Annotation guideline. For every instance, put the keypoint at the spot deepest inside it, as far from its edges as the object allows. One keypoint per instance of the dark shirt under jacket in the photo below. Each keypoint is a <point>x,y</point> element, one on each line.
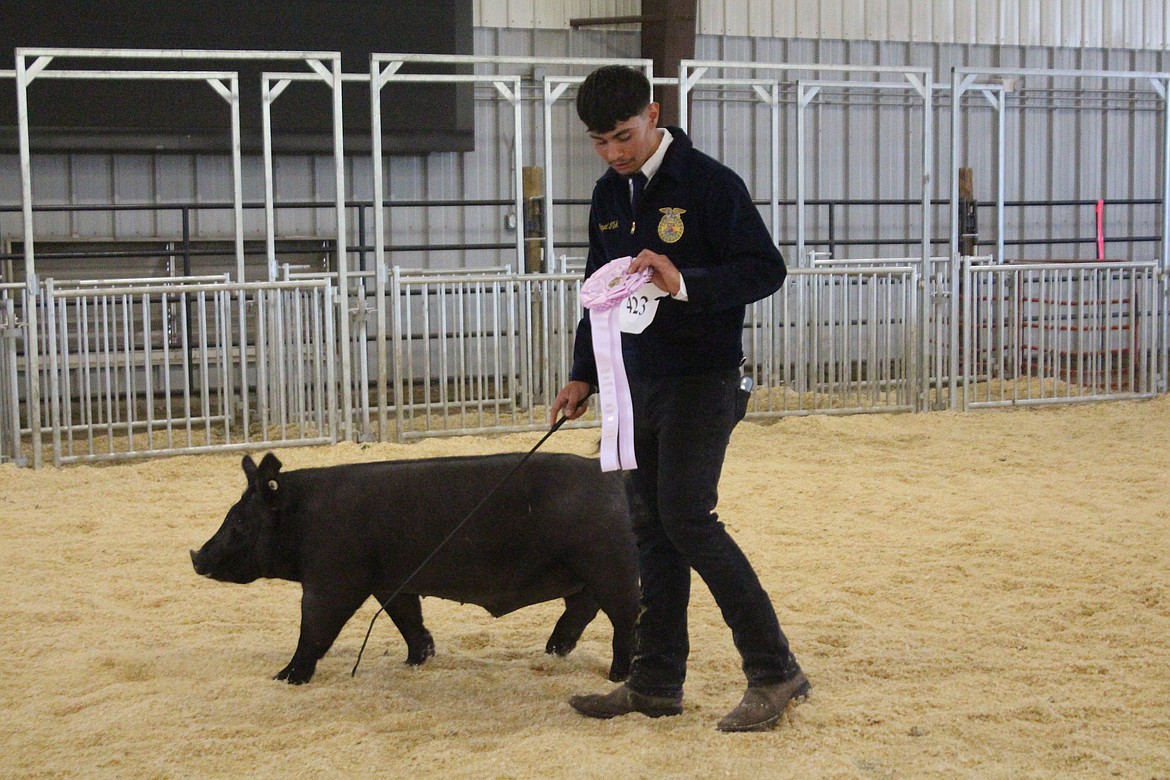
<point>725,254</point>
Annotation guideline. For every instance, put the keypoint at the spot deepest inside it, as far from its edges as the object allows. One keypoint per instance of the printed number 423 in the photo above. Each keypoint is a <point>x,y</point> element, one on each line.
<point>636,305</point>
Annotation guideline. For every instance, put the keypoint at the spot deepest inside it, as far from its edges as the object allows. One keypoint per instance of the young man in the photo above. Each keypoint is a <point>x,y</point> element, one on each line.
<point>692,222</point>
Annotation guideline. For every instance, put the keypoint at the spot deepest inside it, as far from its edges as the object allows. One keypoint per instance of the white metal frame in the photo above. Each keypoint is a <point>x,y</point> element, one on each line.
<point>383,70</point>
<point>693,72</point>
<point>272,86</point>
<point>1027,323</point>
<point>26,72</point>
<point>964,79</point>
<point>554,89</point>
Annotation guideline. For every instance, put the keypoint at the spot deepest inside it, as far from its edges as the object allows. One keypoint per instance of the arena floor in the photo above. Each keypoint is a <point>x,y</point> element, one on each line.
<point>983,595</point>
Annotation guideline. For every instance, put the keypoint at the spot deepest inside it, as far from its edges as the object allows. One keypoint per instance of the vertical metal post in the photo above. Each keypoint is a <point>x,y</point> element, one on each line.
<point>233,97</point>
<point>926,88</point>
<point>957,88</point>
<point>954,328</point>
<point>774,178</point>
<point>1163,307</point>
<point>967,330</point>
<point>342,256</point>
<point>269,94</point>
<point>32,342</point>
<point>958,329</point>
<point>54,369</point>
<point>379,246</point>
<point>330,362</point>
<point>241,308</point>
<point>550,97</point>
<point>801,220</point>
<point>1000,173</point>
<point>513,98</point>
<point>399,338</point>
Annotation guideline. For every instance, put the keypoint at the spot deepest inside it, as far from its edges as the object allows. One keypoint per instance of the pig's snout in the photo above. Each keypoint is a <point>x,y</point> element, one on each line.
<point>199,561</point>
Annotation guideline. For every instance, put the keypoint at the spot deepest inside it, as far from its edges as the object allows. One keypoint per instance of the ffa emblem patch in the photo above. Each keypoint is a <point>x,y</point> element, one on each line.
<point>670,227</point>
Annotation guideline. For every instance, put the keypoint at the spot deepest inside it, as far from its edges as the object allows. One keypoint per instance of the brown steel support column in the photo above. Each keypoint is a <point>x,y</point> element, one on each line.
<point>668,36</point>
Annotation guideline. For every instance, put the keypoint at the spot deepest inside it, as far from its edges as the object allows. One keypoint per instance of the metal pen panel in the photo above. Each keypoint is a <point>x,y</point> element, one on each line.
<point>130,367</point>
<point>1060,333</point>
<point>12,308</point>
<point>834,341</point>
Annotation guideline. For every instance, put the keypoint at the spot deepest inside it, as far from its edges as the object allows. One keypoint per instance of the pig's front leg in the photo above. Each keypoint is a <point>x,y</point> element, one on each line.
<point>322,617</point>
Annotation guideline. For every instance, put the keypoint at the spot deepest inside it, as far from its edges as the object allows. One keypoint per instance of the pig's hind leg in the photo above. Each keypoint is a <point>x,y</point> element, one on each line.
<point>580,609</point>
<point>405,610</point>
<point>613,586</point>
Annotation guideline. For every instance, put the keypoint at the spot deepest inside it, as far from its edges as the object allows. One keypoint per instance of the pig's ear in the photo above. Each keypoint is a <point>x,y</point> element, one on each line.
<point>249,469</point>
<point>268,478</point>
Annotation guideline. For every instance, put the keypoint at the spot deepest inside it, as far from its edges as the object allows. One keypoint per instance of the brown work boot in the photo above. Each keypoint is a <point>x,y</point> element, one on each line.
<point>622,701</point>
<point>763,705</point>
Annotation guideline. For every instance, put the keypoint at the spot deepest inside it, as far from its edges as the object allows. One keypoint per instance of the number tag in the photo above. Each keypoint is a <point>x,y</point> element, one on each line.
<point>638,310</point>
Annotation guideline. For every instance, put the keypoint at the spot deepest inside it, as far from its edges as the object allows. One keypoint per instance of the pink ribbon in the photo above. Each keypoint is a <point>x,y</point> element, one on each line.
<point>601,293</point>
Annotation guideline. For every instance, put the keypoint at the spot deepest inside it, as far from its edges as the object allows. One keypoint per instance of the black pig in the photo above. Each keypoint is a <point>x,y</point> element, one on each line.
<point>558,528</point>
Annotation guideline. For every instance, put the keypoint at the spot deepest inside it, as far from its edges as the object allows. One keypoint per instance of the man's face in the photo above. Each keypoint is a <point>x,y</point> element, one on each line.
<point>631,142</point>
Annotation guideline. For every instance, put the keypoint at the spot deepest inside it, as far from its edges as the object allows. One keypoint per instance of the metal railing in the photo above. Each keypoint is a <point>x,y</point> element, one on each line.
<point>152,369</point>
<point>135,368</point>
<point>835,341</point>
<point>13,303</point>
<point>1060,333</point>
<point>476,353</point>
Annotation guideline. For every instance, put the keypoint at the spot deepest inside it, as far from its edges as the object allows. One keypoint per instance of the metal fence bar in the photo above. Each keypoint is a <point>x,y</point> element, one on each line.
<point>1060,333</point>
<point>834,340</point>
<point>112,351</point>
<point>156,368</point>
<point>12,304</point>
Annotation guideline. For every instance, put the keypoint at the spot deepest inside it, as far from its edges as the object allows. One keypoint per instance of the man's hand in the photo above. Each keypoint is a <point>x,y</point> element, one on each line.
<point>665,276</point>
<point>573,399</point>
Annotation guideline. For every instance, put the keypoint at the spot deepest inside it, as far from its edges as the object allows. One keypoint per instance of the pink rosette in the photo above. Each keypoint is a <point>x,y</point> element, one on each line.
<point>600,294</point>
<point>610,285</point>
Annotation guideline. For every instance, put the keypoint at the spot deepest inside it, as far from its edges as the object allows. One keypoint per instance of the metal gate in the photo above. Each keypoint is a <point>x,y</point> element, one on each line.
<point>13,303</point>
<point>835,341</point>
<point>479,353</point>
<point>153,367</point>
<point>1060,333</point>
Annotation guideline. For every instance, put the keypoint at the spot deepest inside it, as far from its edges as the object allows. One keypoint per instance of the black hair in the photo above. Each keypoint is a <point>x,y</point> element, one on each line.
<point>612,94</point>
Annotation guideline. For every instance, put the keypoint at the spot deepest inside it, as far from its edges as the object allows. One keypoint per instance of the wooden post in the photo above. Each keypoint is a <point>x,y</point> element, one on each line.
<point>534,205</point>
<point>533,178</point>
<point>968,218</point>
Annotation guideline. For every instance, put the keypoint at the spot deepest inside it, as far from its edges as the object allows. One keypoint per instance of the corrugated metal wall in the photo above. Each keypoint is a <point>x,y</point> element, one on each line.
<point>1127,24</point>
<point>859,150</point>
<point>1105,24</point>
<point>1066,139</point>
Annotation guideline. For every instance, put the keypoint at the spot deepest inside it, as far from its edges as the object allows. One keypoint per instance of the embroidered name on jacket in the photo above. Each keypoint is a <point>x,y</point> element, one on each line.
<point>608,225</point>
<point>670,227</point>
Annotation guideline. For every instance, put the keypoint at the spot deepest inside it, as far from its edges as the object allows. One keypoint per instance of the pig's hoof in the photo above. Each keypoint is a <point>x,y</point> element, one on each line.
<point>294,675</point>
<point>562,649</point>
<point>417,656</point>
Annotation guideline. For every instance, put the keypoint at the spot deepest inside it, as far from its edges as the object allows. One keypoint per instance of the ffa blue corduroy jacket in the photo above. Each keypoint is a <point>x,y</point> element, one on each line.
<point>697,212</point>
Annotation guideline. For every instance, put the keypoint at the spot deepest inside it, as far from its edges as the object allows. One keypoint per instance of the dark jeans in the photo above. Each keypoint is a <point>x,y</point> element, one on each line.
<point>681,429</point>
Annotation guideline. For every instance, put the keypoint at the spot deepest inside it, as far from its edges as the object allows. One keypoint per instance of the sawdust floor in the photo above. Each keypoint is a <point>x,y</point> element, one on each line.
<point>983,595</point>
